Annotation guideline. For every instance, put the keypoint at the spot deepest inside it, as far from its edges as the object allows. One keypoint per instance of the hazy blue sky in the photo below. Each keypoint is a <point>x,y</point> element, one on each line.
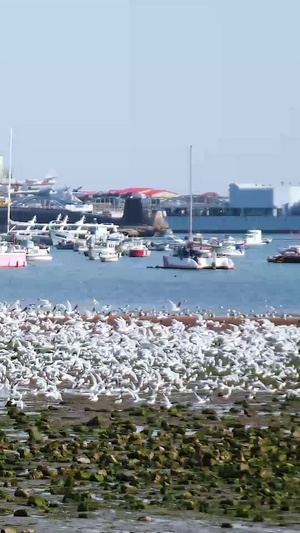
<point>110,93</point>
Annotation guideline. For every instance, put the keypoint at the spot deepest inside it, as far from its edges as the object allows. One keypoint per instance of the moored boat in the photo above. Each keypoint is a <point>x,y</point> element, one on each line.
<point>109,256</point>
<point>65,244</point>
<point>289,255</point>
<point>12,257</point>
<point>254,238</point>
<point>139,251</point>
<point>35,253</point>
<point>199,261</point>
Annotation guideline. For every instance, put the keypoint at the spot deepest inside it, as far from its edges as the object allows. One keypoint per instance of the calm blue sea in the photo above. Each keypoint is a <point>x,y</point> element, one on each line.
<point>254,284</point>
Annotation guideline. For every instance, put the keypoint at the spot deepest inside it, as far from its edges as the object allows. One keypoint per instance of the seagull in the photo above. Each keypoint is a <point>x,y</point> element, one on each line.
<point>175,308</point>
<point>200,400</point>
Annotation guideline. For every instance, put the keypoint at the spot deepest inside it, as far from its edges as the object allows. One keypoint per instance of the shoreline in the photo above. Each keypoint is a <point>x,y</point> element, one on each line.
<point>194,320</point>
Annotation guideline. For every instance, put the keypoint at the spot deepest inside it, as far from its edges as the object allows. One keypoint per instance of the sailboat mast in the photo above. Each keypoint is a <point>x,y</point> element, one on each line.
<point>9,179</point>
<point>191,192</point>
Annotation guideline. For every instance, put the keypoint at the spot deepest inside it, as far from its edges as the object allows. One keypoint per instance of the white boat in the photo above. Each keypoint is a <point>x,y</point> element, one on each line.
<point>200,261</point>
<point>105,250</point>
<point>174,242</point>
<point>230,250</point>
<point>197,240</point>
<point>32,230</point>
<point>109,256</point>
<point>159,246</point>
<point>197,254</point>
<point>230,240</point>
<point>81,230</point>
<point>254,238</point>
<point>35,253</point>
<point>11,256</point>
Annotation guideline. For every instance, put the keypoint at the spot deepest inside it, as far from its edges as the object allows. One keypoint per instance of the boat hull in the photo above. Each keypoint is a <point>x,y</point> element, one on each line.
<point>13,260</point>
<point>284,259</point>
<point>64,246</point>
<point>188,263</point>
<point>109,259</point>
<point>139,253</point>
<point>39,258</point>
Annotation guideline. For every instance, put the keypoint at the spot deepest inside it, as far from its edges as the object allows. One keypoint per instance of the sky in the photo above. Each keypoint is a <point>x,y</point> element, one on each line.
<point>111,93</point>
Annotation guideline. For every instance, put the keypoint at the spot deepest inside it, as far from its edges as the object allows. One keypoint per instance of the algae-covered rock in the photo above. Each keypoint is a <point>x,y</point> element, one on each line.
<point>258,518</point>
<point>96,477</point>
<point>96,421</point>
<point>34,434</point>
<point>82,475</point>
<point>37,501</point>
<point>82,507</point>
<point>145,519</point>
<point>20,493</point>
<point>83,460</point>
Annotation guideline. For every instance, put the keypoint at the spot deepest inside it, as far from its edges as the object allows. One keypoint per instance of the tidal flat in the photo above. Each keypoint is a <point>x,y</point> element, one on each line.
<point>74,467</point>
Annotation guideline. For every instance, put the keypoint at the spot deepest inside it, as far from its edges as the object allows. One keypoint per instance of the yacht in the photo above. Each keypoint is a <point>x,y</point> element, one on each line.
<point>104,250</point>
<point>288,255</point>
<point>36,231</point>
<point>36,253</point>
<point>109,256</point>
<point>197,253</point>
<point>81,230</point>
<point>197,260</point>
<point>254,238</point>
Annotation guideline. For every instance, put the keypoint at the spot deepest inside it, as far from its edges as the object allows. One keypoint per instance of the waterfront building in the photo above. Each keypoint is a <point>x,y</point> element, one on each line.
<point>262,200</point>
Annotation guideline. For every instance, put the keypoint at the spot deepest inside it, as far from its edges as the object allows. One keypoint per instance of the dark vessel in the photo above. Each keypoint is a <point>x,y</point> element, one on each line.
<point>289,255</point>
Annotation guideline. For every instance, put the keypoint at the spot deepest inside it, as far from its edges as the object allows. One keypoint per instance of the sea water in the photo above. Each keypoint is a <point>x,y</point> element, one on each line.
<point>254,284</point>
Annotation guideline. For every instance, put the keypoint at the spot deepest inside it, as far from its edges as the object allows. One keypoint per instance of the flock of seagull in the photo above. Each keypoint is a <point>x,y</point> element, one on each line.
<point>51,350</point>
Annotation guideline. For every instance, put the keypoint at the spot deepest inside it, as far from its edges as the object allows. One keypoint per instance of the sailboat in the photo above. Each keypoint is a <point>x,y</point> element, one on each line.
<point>188,258</point>
<point>11,256</point>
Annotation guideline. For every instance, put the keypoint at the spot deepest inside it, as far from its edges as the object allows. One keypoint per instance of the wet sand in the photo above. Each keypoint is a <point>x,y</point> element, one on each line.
<point>193,320</point>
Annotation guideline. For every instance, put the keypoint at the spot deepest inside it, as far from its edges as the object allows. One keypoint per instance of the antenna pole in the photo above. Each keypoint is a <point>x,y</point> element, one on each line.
<point>191,192</point>
<point>9,178</point>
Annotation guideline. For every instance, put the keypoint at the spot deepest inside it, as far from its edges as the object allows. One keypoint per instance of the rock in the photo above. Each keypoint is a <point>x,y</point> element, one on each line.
<point>145,519</point>
<point>69,482</point>
<point>82,507</point>
<point>21,512</point>
<point>83,460</point>
<point>82,475</point>
<point>9,530</point>
<point>5,510</point>
<point>20,493</point>
<point>258,518</point>
<point>226,525</point>
<point>34,434</point>
<point>37,501</point>
<point>96,477</point>
<point>96,421</point>
<point>50,472</point>
<point>28,531</point>
<point>82,515</point>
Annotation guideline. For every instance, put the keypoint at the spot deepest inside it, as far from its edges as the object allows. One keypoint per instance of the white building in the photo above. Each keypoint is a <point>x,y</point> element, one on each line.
<point>252,198</point>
